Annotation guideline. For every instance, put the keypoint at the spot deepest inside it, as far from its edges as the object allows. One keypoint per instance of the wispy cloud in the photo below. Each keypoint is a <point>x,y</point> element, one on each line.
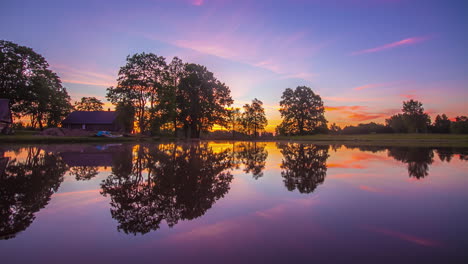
<point>403,42</point>
<point>197,2</point>
<point>357,113</point>
<point>78,76</point>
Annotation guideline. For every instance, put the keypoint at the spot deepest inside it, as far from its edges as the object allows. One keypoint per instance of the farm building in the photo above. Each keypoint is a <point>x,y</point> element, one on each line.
<point>92,120</point>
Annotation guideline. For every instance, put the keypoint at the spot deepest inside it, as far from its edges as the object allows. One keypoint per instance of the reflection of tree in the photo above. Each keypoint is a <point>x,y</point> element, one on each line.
<point>26,187</point>
<point>166,182</point>
<point>417,159</point>
<point>253,155</point>
<point>84,173</point>
<point>304,166</point>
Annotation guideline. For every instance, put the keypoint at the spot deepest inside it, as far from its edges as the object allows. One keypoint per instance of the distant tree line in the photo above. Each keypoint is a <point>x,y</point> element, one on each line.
<point>413,119</point>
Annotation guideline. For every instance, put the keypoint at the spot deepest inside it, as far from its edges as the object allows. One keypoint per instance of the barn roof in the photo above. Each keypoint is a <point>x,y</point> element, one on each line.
<point>90,117</point>
<point>5,113</point>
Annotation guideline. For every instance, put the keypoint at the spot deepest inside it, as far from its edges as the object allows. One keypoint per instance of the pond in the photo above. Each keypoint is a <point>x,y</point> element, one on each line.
<point>224,202</point>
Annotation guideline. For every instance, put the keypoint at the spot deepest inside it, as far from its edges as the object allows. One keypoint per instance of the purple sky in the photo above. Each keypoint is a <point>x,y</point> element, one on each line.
<point>364,57</point>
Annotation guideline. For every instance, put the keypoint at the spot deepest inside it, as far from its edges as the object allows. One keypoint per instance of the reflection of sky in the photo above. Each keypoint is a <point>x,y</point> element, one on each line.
<point>367,206</point>
<point>363,57</point>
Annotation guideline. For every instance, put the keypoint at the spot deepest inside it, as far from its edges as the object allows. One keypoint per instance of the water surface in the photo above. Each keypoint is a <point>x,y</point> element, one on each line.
<point>246,202</point>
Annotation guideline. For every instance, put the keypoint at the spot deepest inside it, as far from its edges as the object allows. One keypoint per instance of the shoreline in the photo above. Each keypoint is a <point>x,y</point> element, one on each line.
<point>435,140</point>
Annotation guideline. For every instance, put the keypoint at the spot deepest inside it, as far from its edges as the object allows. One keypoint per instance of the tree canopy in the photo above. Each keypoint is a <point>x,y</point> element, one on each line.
<point>253,118</point>
<point>33,89</point>
<point>202,100</point>
<point>302,111</point>
<point>89,104</point>
<point>412,120</point>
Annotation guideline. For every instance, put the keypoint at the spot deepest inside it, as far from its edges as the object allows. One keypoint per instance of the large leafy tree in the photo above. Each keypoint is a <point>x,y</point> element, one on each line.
<point>253,117</point>
<point>32,88</point>
<point>460,125</point>
<point>89,104</point>
<point>176,71</point>
<point>441,124</point>
<point>202,100</point>
<point>302,111</point>
<point>412,120</point>
<point>139,84</point>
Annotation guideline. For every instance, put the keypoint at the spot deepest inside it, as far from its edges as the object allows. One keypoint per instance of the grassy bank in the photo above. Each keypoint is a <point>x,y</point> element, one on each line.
<point>433,140</point>
<point>29,137</point>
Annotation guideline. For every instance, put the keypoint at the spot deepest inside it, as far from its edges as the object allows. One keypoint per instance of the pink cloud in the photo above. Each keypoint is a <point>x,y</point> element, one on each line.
<point>198,2</point>
<point>403,42</point>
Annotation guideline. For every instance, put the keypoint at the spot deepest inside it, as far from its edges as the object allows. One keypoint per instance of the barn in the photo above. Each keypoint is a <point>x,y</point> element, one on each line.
<point>92,120</point>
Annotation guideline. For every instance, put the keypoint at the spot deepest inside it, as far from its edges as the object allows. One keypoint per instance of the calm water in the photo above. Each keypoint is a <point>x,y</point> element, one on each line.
<point>233,203</point>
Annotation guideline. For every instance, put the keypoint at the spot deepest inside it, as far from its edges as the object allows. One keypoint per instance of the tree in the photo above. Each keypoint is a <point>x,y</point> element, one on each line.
<point>302,111</point>
<point>397,123</point>
<point>235,118</point>
<point>89,104</point>
<point>334,129</point>
<point>176,73</point>
<point>139,84</point>
<point>460,126</point>
<point>253,118</point>
<point>33,90</point>
<point>202,100</point>
<point>125,115</point>
<point>441,124</point>
<point>413,119</point>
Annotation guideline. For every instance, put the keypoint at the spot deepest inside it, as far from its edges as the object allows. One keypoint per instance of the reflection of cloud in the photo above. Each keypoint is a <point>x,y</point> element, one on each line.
<point>403,42</point>
<point>405,237</point>
<point>370,189</point>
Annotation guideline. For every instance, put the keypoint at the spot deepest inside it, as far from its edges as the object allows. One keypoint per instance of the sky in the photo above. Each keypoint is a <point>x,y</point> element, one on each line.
<point>363,57</point>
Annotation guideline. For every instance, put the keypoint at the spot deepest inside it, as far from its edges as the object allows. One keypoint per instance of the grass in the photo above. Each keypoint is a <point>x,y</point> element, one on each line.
<point>433,140</point>
<point>430,140</point>
<point>29,137</point>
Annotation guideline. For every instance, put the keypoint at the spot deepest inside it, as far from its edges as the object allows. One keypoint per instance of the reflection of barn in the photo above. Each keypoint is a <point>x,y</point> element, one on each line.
<point>92,120</point>
<point>5,116</point>
<point>100,156</point>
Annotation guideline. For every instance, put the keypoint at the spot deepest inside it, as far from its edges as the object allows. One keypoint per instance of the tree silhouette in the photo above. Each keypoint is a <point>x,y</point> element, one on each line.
<point>302,111</point>
<point>202,100</point>
<point>89,104</point>
<point>167,182</point>
<point>253,118</point>
<point>304,166</point>
<point>253,155</point>
<point>26,187</point>
<point>417,159</point>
